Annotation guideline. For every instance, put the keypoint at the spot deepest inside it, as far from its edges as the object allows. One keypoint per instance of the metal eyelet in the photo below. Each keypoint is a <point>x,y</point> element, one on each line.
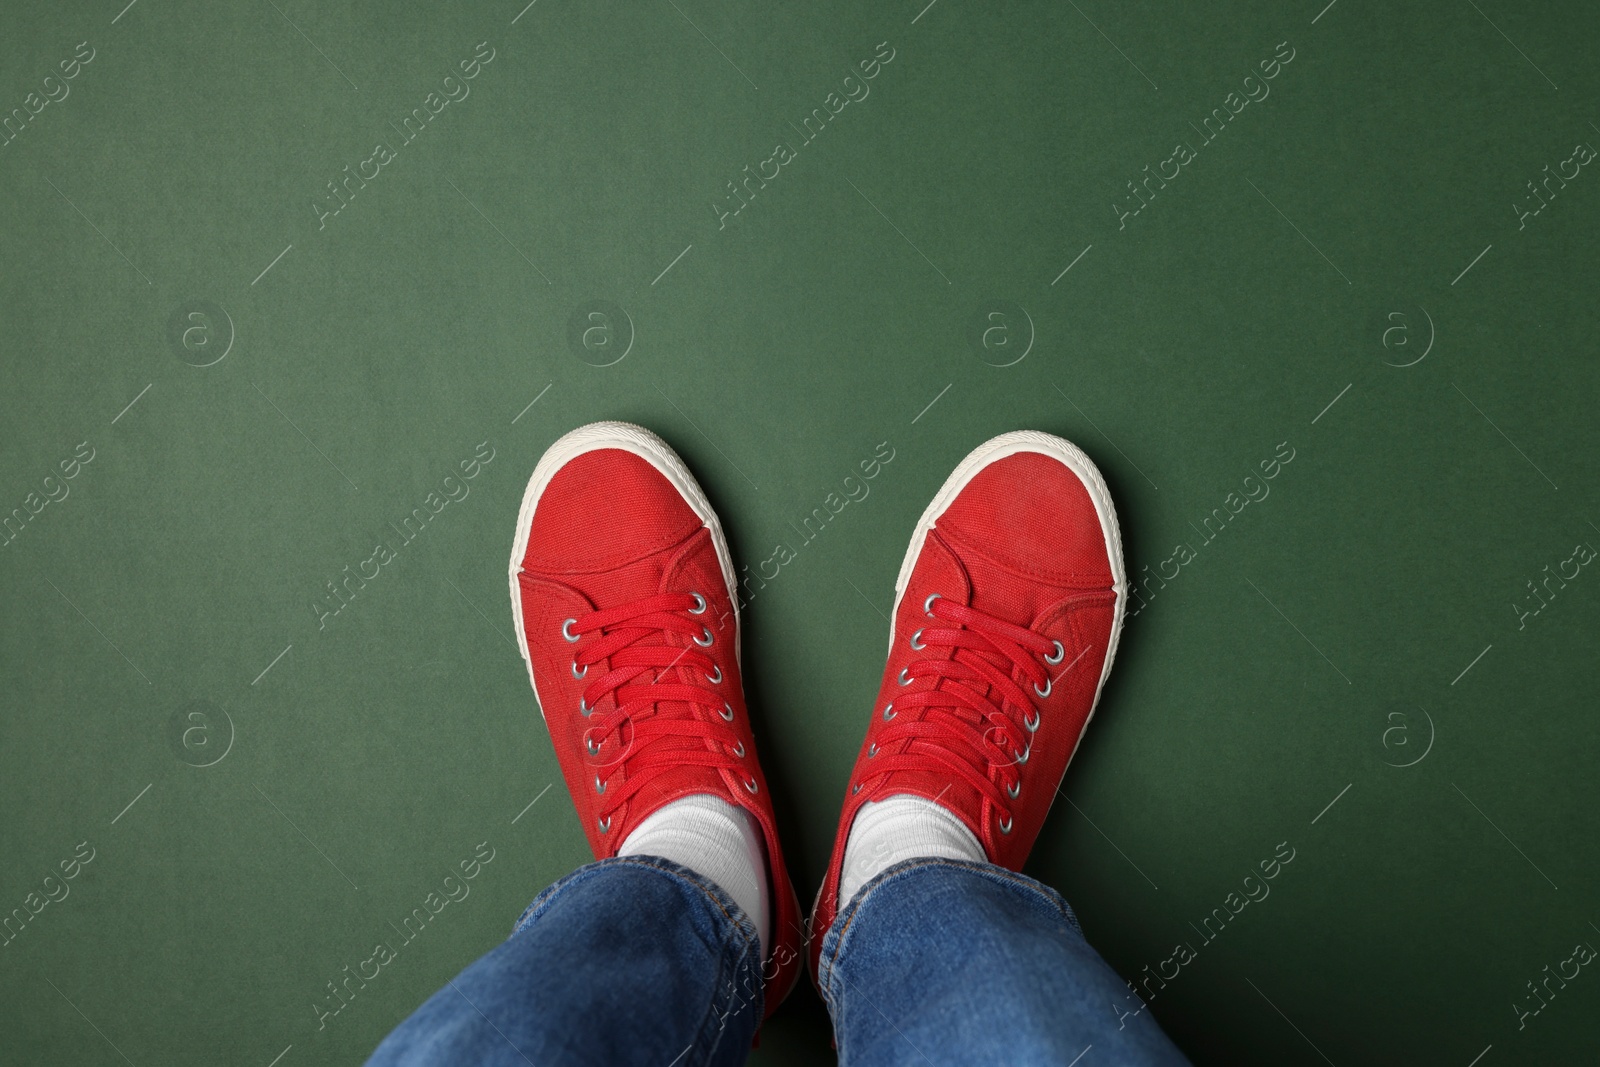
<point>927,605</point>
<point>567,633</point>
<point>599,786</point>
<point>594,749</point>
<point>584,709</point>
<point>1005,825</point>
<point>1048,685</point>
<point>576,673</point>
<point>738,750</point>
<point>904,679</point>
<point>699,604</point>
<point>706,639</point>
<point>750,786</point>
<point>888,711</point>
<point>726,712</point>
<point>855,789</point>
<point>873,751</point>
<point>916,642</point>
<point>1026,752</point>
<point>604,824</point>
<point>1013,791</point>
<point>715,678</point>
<point>1031,723</point>
<point>1061,654</point>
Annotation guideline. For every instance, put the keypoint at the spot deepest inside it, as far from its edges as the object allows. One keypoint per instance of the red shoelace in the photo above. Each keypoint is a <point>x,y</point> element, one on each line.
<point>633,731</point>
<point>976,716</point>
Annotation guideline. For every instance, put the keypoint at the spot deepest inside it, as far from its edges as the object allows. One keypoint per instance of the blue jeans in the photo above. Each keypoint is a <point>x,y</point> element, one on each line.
<point>637,960</point>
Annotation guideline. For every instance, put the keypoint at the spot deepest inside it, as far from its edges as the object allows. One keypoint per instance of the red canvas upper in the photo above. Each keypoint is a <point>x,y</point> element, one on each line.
<point>646,705</point>
<point>1017,562</point>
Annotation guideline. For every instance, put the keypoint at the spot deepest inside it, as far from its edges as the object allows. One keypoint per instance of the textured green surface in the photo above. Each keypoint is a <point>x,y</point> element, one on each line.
<point>1321,639</point>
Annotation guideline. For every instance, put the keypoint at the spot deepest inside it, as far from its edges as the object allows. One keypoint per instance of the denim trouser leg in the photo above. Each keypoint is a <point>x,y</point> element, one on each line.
<point>943,962</point>
<point>631,960</point>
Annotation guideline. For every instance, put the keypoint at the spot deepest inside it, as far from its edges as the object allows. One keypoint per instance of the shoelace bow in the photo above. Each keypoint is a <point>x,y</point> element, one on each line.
<point>1001,717</point>
<point>634,641</point>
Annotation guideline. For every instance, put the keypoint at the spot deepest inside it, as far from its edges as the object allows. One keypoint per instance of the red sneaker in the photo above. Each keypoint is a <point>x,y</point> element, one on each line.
<point>1007,612</point>
<point>622,591</point>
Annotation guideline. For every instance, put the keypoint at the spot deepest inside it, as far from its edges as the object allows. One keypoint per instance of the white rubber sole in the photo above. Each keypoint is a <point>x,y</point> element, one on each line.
<point>653,450</point>
<point>1009,444</point>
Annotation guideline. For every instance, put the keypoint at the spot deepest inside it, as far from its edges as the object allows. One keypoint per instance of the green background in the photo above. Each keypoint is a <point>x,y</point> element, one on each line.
<point>1357,619</point>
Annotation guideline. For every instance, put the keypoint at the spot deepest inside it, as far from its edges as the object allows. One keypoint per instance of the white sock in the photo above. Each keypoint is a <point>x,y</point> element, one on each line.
<point>901,827</point>
<point>717,841</point>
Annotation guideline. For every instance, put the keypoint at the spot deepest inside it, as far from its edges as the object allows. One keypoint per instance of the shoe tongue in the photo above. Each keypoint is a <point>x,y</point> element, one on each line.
<point>997,590</point>
<point>642,578</point>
